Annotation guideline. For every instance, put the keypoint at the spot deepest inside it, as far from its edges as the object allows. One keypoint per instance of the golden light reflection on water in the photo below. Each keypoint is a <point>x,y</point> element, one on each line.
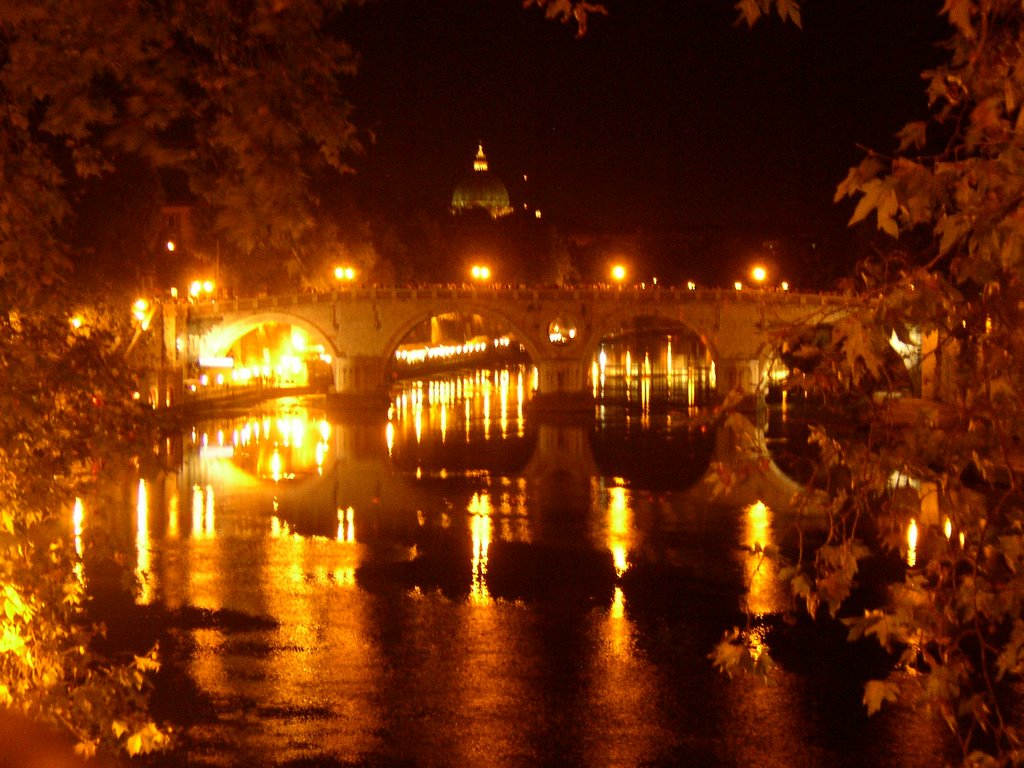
<point>480,528</point>
<point>479,405</point>
<point>143,547</point>
<point>476,669</point>
<point>346,525</point>
<point>202,512</point>
<point>619,527</point>
<point>173,504</point>
<point>764,592</point>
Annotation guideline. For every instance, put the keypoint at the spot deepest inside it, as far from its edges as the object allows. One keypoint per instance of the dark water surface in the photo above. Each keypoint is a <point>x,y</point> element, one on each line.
<point>461,586</point>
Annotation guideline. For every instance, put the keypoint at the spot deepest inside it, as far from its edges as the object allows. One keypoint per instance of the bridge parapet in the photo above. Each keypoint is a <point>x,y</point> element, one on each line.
<point>590,294</point>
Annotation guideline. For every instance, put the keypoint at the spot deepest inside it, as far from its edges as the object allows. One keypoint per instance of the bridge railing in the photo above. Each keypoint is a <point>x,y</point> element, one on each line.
<point>492,294</point>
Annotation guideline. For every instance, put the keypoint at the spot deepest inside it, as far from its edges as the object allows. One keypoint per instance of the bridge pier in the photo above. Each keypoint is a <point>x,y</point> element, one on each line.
<point>561,388</point>
<point>360,383</point>
<point>744,375</point>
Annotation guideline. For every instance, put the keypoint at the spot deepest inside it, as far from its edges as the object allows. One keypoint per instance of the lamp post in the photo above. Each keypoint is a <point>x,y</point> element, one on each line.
<point>480,273</point>
<point>618,273</point>
<point>759,274</point>
<point>344,274</point>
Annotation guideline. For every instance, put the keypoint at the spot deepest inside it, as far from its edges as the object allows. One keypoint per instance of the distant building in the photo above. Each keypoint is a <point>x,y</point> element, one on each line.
<point>176,233</point>
<point>481,191</point>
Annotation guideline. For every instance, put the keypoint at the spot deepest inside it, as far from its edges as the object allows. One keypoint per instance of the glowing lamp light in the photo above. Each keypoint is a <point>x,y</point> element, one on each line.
<point>480,272</point>
<point>759,274</point>
<point>618,273</point>
<point>344,273</point>
<point>171,246</point>
<point>139,309</point>
<point>738,285</point>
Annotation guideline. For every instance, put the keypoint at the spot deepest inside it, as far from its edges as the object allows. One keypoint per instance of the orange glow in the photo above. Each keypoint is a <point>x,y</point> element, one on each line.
<point>618,273</point>
<point>912,543</point>
<point>759,274</point>
<point>344,273</point>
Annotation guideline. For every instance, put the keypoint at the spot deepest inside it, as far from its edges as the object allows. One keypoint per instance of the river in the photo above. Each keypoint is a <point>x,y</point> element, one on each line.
<point>462,585</point>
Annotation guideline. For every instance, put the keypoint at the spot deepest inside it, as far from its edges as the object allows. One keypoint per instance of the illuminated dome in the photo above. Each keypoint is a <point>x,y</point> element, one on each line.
<point>481,189</point>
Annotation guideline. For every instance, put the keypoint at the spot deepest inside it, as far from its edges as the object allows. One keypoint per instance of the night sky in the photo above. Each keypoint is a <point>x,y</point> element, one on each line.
<point>666,115</point>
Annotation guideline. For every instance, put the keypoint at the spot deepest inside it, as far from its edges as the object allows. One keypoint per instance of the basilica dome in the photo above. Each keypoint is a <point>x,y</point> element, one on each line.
<point>481,190</point>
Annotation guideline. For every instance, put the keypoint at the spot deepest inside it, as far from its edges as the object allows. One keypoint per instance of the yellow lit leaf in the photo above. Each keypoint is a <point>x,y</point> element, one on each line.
<point>85,749</point>
<point>11,641</point>
<point>134,744</point>
<point>147,663</point>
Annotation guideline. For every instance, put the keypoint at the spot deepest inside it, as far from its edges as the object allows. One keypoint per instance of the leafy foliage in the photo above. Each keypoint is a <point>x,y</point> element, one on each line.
<point>245,100</point>
<point>565,11</point>
<point>950,461</point>
<point>242,100</point>
<point>65,406</point>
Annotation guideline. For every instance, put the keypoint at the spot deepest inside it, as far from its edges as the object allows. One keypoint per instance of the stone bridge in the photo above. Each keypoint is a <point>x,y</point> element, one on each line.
<point>361,328</point>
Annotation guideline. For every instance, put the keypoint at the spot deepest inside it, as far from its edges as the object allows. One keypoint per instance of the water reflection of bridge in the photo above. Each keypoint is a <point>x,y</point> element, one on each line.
<point>555,464</point>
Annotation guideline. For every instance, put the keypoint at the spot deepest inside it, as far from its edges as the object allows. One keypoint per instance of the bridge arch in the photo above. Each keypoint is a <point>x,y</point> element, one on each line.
<point>618,320</point>
<point>220,340</point>
<point>532,345</point>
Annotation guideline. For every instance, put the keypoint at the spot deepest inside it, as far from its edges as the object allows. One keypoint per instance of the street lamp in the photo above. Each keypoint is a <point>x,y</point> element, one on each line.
<point>618,272</point>
<point>480,272</point>
<point>347,274</point>
<point>200,287</point>
<point>759,274</point>
<point>140,311</point>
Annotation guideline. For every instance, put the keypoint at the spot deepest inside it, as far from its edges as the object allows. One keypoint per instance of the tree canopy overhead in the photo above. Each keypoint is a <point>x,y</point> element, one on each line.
<point>246,100</point>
